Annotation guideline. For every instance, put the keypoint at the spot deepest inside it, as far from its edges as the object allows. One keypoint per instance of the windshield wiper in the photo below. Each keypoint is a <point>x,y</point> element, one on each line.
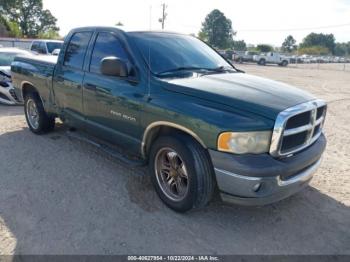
<point>220,69</point>
<point>235,68</point>
<point>182,68</point>
<point>193,68</point>
<point>223,69</point>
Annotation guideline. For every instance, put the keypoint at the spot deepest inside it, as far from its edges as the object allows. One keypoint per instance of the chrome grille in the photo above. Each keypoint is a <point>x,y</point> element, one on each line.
<point>297,128</point>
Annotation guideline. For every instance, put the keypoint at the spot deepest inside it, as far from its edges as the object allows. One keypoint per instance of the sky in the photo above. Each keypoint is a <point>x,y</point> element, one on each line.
<point>255,21</point>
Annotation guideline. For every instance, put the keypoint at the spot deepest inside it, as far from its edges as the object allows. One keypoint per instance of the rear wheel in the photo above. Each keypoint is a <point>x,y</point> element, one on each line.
<point>284,63</point>
<point>181,172</point>
<point>262,62</point>
<point>38,120</point>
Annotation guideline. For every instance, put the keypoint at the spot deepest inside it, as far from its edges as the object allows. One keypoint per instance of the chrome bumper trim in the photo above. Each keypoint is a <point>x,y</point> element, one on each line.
<point>242,189</point>
<point>304,176</point>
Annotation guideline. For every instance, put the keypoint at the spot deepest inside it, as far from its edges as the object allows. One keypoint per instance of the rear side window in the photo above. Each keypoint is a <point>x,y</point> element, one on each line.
<point>39,47</point>
<point>42,48</point>
<point>51,46</point>
<point>35,46</point>
<point>76,50</point>
<point>106,45</point>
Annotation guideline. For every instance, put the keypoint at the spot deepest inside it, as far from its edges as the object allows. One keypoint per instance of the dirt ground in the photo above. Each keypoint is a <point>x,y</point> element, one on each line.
<point>59,195</point>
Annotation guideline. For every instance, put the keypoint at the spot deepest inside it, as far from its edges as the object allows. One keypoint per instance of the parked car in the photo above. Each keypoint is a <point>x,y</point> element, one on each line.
<point>226,54</point>
<point>56,52</point>
<point>271,58</point>
<point>323,59</point>
<point>237,56</point>
<point>295,59</point>
<point>306,59</point>
<point>46,47</point>
<point>336,59</point>
<point>7,92</point>
<point>170,101</point>
<point>313,59</point>
<point>244,56</point>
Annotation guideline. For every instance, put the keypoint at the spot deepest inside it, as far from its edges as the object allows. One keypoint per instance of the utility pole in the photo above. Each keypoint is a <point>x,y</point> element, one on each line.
<point>164,15</point>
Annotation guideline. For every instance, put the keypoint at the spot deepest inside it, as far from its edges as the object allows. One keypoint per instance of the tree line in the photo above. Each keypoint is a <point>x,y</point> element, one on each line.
<point>218,32</point>
<point>27,18</point>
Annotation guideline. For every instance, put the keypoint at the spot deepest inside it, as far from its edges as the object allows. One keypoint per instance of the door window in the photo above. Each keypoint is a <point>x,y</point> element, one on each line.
<point>106,45</point>
<point>42,48</point>
<point>35,46</point>
<point>75,53</point>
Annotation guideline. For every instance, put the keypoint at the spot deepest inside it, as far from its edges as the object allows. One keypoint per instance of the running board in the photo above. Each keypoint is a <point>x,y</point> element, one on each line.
<point>134,162</point>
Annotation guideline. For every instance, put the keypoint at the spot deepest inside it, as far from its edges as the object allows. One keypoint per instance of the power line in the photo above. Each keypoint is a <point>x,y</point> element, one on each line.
<point>275,30</point>
<point>293,29</point>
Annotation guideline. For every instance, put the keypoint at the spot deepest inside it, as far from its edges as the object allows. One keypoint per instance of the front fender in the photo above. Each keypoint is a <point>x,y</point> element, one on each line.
<point>205,120</point>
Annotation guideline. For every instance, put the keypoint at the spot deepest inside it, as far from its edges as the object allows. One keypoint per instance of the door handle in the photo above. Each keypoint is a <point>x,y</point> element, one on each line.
<point>90,87</point>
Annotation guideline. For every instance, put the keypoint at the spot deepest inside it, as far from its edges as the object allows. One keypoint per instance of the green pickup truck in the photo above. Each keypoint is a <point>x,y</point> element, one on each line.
<point>170,101</point>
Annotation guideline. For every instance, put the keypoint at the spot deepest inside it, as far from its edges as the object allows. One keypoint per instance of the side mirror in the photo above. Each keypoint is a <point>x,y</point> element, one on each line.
<point>56,52</point>
<point>114,66</point>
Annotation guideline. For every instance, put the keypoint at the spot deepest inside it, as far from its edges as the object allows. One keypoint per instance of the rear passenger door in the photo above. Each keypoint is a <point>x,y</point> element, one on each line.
<point>112,104</point>
<point>69,74</point>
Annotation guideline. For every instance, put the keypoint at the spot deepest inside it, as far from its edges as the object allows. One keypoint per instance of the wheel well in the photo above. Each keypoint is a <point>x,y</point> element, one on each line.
<point>27,89</point>
<point>163,130</point>
<point>262,61</point>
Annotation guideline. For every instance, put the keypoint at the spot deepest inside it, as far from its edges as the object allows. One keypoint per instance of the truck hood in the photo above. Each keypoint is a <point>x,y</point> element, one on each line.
<point>241,91</point>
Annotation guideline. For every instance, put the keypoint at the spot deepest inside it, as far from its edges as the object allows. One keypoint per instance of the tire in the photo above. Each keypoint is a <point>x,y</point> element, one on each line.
<point>42,123</point>
<point>284,63</point>
<point>262,62</point>
<point>193,160</point>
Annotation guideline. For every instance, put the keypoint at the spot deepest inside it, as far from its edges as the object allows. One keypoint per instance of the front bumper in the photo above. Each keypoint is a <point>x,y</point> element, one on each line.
<point>262,179</point>
<point>8,95</point>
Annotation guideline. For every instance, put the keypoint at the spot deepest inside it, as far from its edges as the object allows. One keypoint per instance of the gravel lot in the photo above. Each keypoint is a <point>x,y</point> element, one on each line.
<point>59,195</point>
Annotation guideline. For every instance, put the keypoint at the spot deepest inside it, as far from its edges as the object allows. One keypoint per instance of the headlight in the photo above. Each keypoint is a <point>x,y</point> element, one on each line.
<point>245,142</point>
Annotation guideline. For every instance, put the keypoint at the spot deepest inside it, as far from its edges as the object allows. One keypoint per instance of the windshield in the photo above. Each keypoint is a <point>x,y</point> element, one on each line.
<point>166,52</point>
<point>53,45</point>
<point>7,58</point>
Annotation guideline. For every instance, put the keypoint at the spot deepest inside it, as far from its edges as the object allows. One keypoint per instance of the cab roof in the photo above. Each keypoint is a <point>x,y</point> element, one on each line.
<point>124,29</point>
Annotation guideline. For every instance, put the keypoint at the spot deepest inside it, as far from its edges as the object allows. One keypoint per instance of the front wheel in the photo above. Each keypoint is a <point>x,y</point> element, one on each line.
<point>181,172</point>
<point>262,62</point>
<point>38,120</point>
<point>284,63</point>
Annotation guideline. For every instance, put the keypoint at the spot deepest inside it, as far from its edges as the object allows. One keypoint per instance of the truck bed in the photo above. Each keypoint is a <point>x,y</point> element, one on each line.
<point>49,61</point>
<point>36,69</point>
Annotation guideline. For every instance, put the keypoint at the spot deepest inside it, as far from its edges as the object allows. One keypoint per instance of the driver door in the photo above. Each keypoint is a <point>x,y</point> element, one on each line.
<point>112,104</point>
